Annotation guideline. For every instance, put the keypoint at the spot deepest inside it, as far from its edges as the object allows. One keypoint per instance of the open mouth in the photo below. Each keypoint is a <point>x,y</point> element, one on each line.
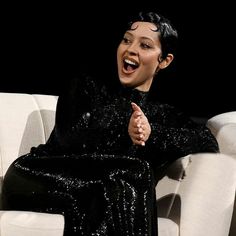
<point>130,65</point>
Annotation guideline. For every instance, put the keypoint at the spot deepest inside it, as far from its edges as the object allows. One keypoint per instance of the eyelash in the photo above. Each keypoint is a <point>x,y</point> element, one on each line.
<point>125,40</point>
<point>142,45</point>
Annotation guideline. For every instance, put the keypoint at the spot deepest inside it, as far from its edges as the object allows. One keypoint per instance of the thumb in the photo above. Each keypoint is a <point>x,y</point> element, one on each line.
<point>135,107</point>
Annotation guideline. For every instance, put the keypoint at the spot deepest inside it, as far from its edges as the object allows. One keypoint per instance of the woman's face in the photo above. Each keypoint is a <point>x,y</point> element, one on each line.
<point>137,56</point>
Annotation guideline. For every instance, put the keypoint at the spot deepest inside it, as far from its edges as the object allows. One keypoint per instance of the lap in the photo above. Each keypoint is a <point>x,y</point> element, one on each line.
<point>96,186</point>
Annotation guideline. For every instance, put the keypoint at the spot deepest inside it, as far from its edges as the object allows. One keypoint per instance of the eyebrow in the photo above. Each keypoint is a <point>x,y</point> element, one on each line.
<point>142,37</point>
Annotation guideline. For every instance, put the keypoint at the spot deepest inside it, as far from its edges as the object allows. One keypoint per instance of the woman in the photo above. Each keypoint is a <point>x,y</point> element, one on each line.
<point>108,149</point>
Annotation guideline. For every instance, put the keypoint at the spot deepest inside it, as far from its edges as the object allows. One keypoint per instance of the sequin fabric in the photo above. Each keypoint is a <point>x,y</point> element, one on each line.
<point>90,171</point>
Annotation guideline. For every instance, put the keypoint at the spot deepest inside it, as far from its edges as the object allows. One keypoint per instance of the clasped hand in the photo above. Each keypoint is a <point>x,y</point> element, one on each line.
<point>139,128</point>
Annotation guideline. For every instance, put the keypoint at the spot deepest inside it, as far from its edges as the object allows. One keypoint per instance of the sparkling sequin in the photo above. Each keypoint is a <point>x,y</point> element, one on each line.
<point>90,171</point>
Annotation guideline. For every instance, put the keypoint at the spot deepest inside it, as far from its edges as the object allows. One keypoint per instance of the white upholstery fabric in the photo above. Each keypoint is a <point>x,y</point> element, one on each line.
<point>15,121</point>
<point>218,121</point>
<point>167,190</point>
<point>167,227</point>
<point>207,195</point>
<point>223,126</point>
<point>20,223</point>
<point>200,204</point>
<point>226,137</point>
<point>23,124</point>
<point>47,106</point>
<point>27,223</point>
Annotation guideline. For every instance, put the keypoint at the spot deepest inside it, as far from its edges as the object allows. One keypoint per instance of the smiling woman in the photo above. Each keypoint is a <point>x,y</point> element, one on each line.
<point>110,147</point>
<point>139,56</point>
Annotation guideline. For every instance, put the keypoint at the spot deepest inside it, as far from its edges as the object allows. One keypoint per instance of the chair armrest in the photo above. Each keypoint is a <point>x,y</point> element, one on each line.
<point>223,127</point>
<point>25,223</point>
<point>207,195</point>
<point>217,122</point>
<point>226,138</point>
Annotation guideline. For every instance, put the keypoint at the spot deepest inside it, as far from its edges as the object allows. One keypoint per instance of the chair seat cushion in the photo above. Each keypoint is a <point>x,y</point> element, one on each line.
<point>167,227</point>
<point>25,223</point>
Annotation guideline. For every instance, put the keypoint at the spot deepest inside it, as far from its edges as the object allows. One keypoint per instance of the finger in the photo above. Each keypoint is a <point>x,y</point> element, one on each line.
<point>135,107</point>
<point>137,122</point>
<point>139,142</point>
<point>137,137</point>
<point>136,130</point>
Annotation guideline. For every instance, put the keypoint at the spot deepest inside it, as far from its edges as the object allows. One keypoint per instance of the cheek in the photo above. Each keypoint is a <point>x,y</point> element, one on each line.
<point>120,50</point>
<point>118,55</point>
<point>151,61</point>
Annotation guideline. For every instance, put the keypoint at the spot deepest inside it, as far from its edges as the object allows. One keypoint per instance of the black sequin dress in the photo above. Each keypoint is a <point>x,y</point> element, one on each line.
<point>90,171</point>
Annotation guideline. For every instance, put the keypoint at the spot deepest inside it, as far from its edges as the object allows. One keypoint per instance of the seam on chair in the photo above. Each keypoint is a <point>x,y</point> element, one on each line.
<point>35,228</point>
<point>41,118</point>
<point>1,167</point>
<point>188,157</point>
<point>175,195</point>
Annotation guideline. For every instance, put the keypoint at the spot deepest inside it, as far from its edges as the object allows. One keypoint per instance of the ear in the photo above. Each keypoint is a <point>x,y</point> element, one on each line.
<point>166,62</point>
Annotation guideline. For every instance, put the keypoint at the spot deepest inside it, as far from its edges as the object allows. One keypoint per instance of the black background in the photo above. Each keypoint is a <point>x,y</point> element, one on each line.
<point>45,45</point>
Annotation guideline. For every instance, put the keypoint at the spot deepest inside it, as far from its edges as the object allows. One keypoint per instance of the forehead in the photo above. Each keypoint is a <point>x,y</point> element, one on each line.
<point>144,29</point>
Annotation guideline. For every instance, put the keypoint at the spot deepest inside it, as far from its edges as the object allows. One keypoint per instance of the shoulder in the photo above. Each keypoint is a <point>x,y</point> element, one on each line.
<point>79,86</point>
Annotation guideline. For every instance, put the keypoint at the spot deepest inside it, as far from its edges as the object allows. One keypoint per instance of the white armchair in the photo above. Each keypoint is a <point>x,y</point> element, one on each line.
<point>223,126</point>
<point>207,192</point>
<point>200,204</point>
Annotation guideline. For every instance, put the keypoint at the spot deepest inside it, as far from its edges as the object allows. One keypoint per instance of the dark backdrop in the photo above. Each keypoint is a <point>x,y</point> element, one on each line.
<point>46,45</point>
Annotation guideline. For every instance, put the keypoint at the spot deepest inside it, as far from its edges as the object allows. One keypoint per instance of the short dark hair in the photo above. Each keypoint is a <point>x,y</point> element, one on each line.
<point>168,34</point>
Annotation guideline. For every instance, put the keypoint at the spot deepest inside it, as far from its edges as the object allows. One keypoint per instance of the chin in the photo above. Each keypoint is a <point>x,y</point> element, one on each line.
<point>125,80</point>
<point>125,84</point>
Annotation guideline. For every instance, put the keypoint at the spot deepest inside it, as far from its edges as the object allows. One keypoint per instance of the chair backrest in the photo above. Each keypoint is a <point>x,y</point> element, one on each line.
<point>169,189</point>
<point>223,126</point>
<point>217,122</point>
<point>25,121</point>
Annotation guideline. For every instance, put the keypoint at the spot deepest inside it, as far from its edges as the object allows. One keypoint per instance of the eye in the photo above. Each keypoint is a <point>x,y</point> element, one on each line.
<point>145,46</point>
<point>126,40</point>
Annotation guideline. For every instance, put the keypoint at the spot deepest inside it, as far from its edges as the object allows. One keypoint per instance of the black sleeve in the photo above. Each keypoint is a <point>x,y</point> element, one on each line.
<point>75,99</point>
<point>175,135</point>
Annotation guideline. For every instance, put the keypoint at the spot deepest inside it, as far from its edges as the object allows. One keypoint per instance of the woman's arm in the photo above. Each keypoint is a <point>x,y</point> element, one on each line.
<point>72,103</point>
<point>175,134</point>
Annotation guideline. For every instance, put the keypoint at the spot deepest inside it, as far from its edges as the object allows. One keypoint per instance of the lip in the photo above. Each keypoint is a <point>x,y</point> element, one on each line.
<point>126,72</point>
<point>132,60</point>
<point>130,63</point>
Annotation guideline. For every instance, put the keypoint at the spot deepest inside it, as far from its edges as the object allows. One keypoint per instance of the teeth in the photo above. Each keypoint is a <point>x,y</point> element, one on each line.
<point>130,62</point>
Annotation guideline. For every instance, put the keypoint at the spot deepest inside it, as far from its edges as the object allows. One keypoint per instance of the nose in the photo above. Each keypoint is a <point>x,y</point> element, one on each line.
<point>132,49</point>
